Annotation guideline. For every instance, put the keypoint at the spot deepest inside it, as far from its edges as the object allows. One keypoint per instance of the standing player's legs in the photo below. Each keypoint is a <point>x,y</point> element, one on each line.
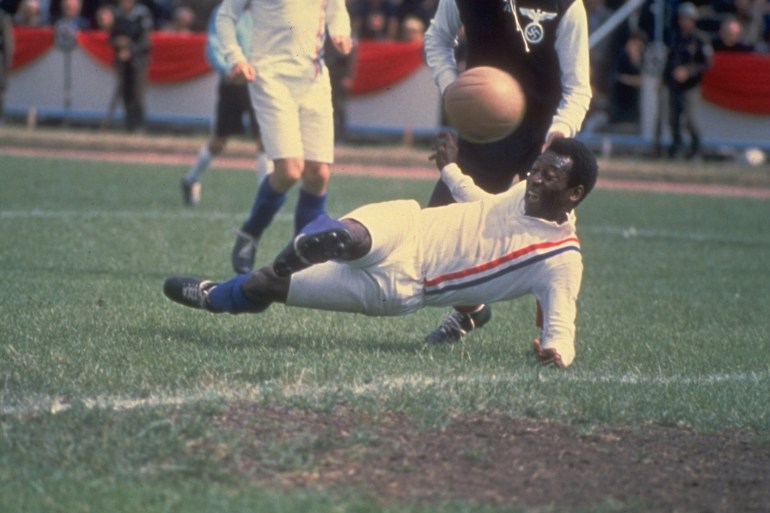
<point>317,132</point>
<point>280,107</point>
<point>191,182</point>
<point>233,102</point>
<point>311,201</point>
<point>270,197</point>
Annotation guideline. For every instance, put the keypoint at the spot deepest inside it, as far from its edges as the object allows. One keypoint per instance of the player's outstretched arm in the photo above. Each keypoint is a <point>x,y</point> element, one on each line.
<point>444,150</point>
<point>461,186</point>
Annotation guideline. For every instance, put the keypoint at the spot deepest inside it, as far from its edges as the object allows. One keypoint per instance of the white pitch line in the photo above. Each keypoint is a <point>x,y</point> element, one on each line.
<point>374,388</point>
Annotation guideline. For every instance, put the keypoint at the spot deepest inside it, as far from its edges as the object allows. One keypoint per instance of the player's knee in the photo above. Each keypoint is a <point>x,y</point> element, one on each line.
<point>316,175</point>
<point>289,170</point>
<point>362,239</point>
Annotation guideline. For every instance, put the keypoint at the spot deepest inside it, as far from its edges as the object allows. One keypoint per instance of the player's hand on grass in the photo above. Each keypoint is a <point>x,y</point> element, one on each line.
<point>444,150</point>
<point>547,356</point>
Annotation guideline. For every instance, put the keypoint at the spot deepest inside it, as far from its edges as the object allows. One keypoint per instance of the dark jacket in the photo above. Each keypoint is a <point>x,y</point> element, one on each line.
<point>692,51</point>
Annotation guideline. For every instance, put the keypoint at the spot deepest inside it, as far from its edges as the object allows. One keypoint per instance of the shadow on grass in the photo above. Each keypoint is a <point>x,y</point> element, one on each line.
<point>230,338</point>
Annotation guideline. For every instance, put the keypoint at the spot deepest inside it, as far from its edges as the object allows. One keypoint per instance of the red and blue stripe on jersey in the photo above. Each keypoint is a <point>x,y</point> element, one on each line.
<point>513,261</point>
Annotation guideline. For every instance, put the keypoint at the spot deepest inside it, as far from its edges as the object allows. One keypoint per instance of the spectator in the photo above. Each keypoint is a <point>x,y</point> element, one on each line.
<point>30,14</point>
<point>164,12</point>
<point>182,22</point>
<point>729,37</point>
<point>71,17</point>
<point>88,10</point>
<point>688,58</point>
<point>6,54</point>
<point>373,19</point>
<point>130,38</point>
<point>627,80</point>
<point>412,30</point>
<point>414,10</point>
<point>105,18</point>
<point>751,15</point>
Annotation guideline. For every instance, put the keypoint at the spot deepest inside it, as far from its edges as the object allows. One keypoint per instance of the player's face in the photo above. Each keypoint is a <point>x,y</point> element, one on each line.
<point>547,194</point>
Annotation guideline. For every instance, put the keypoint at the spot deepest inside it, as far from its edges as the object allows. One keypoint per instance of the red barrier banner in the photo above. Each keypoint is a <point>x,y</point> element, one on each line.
<point>174,57</point>
<point>30,44</point>
<point>381,64</point>
<point>739,82</point>
<point>177,57</point>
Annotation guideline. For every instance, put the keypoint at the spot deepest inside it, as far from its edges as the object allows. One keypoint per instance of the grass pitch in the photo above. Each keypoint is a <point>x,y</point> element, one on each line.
<point>106,387</point>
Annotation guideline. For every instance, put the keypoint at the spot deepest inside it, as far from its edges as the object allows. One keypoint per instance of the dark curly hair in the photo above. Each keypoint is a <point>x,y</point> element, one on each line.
<point>585,169</point>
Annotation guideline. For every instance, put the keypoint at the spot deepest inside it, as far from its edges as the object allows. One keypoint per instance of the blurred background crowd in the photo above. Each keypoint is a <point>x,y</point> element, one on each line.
<point>617,60</point>
<point>372,19</point>
<point>747,21</point>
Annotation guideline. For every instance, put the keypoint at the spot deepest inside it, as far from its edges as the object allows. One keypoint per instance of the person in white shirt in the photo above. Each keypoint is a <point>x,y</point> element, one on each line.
<point>291,93</point>
<point>393,258</point>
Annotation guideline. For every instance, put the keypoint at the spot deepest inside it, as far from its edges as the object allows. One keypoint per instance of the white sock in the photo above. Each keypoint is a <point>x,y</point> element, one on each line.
<point>201,163</point>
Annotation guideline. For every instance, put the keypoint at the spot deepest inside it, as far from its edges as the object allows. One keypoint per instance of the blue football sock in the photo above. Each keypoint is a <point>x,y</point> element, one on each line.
<point>309,206</point>
<point>229,297</point>
<point>266,205</point>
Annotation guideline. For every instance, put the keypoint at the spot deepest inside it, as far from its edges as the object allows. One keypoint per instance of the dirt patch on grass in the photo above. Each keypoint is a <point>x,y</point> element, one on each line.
<point>493,458</point>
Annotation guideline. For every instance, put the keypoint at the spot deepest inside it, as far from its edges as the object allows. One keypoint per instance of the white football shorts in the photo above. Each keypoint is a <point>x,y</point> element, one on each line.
<point>385,282</point>
<point>295,116</point>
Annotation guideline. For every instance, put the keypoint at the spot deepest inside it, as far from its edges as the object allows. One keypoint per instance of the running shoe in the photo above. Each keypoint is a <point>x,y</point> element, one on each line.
<point>189,291</point>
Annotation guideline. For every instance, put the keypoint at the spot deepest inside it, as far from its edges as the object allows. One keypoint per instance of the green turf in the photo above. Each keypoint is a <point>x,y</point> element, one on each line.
<point>672,329</point>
